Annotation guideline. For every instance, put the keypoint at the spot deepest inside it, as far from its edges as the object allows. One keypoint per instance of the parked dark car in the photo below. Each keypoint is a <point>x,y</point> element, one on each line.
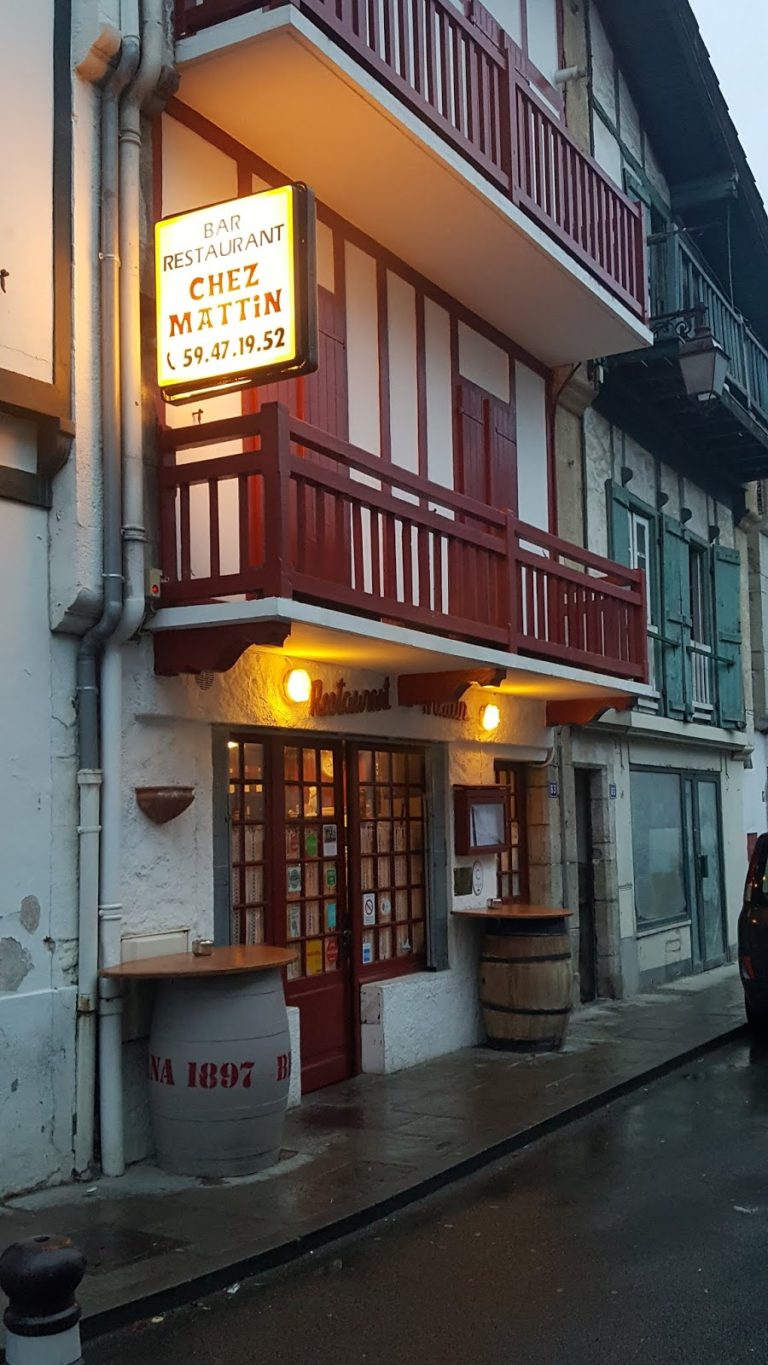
<point>753,937</point>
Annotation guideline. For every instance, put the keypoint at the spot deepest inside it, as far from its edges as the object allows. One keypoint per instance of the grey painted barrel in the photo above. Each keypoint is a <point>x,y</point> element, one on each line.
<point>525,984</point>
<point>219,1069</point>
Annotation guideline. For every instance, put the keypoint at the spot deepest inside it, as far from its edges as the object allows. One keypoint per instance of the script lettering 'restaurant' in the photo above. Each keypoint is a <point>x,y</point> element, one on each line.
<point>340,701</point>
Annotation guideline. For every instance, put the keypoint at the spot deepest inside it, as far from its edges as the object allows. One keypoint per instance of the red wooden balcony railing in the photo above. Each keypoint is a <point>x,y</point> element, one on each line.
<point>305,515</point>
<point>467,82</point>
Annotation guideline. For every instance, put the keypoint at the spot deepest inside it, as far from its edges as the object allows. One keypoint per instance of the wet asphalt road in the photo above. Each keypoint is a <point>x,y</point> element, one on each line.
<point>640,1234</point>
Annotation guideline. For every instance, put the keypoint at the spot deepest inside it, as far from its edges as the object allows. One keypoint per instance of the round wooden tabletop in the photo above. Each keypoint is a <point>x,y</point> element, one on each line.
<point>513,911</point>
<point>221,962</point>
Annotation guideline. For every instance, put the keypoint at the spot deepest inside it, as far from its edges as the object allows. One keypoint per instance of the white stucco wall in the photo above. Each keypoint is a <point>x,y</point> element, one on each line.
<point>532,452</point>
<point>26,222</point>
<point>168,870</point>
<point>756,789</point>
<point>619,138</point>
<point>38,948</point>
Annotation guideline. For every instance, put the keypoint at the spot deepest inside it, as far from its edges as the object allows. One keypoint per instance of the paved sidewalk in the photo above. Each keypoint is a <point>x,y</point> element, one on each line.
<point>360,1150</point>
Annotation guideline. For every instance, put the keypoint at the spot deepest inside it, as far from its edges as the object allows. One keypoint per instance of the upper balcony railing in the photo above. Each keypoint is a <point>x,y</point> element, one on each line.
<point>305,515</point>
<point>681,281</point>
<point>466,82</point>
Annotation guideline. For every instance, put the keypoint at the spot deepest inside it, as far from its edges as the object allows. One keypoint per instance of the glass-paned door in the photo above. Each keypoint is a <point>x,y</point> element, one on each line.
<point>289,886</point>
<point>711,918</point>
<point>387,867</point>
<point>677,848</point>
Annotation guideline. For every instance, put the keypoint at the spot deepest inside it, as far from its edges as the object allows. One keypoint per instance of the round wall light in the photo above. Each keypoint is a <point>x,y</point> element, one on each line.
<point>298,685</point>
<point>490,717</point>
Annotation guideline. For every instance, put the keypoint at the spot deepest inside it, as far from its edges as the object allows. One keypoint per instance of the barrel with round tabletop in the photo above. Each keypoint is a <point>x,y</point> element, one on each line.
<point>525,977</point>
<point>219,1058</point>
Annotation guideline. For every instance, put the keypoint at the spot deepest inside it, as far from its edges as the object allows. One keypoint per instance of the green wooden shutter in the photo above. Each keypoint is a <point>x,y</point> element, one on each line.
<point>726,571</point>
<point>676,619</point>
<point>618,523</point>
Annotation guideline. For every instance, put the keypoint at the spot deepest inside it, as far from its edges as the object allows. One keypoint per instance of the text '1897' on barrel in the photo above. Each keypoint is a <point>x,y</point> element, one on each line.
<point>219,1070</point>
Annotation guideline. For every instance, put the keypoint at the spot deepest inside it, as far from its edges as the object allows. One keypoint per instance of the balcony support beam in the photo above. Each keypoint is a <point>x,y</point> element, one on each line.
<point>583,710</point>
<point>427,689</point>
<point>213,649</point>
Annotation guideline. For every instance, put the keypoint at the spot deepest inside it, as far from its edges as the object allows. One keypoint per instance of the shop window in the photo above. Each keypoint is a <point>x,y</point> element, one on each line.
<point>658,847</point>
<point>512,862</point>
<point>391,830</point>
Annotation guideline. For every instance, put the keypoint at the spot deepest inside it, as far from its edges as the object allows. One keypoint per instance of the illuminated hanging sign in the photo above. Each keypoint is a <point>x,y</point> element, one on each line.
<point>236,293</point>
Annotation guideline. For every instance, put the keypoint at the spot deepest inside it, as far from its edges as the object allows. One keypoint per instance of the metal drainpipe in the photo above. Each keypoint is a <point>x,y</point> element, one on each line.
<point>134,604</point>
<point>92,644</point>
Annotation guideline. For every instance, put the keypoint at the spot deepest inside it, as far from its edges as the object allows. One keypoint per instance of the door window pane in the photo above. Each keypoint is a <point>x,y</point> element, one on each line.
<point>658,848</point>
<point>641,557</point>
<point>712,928</point>
<point>391,869</point>
<point>510,883</point>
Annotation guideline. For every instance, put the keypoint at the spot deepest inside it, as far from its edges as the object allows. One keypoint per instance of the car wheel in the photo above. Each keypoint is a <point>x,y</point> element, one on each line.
<point>757,1017</point>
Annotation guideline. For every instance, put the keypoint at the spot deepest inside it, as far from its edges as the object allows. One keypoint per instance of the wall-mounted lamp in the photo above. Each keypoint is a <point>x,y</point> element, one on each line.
<point>703,362</point>
<point>297,685</point>
<point>490,717</point>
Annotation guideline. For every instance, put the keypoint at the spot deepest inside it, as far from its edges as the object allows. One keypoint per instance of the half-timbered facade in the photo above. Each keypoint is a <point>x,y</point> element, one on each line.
<point>450,556</point>
<point>661,479</point>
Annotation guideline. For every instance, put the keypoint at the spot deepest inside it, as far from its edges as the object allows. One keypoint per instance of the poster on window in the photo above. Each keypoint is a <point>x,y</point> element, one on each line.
<point>369,909</point>
<point>314,956</point>
<point>330,841</point>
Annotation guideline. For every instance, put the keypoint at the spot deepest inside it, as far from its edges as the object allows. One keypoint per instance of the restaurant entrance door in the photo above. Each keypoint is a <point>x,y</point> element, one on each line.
<point>328,856</point>
<point>289,885</point>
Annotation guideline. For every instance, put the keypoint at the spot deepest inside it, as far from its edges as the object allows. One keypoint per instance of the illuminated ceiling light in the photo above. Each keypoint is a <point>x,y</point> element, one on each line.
<point>490,717</point>
<point>298,685</point>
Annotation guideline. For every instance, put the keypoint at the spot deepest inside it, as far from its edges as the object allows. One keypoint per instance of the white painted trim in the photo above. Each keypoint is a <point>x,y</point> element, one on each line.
<point>642,725</point>
<point>210,42</point>
<point>420,641</point>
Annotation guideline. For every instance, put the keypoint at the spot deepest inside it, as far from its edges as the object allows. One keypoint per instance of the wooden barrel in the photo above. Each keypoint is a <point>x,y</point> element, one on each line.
<point>219,1068</point>
<point>525,983</point>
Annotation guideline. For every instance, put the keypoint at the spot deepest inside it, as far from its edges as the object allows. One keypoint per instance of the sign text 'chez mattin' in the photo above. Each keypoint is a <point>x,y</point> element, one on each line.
<point>236,293</point>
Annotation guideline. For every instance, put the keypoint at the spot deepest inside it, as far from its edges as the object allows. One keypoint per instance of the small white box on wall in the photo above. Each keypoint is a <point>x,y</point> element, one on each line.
<point>137,995</point>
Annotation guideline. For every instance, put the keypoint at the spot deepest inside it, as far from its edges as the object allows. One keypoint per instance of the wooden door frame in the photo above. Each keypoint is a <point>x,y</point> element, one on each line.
<point>274,740</point>
<point>391,968</point>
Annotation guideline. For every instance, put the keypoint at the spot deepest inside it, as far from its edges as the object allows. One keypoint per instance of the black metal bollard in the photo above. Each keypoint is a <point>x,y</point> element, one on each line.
<point>40,1277</point>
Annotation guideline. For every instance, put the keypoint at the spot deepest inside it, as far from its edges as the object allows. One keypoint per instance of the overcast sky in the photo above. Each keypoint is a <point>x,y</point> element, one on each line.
<point>736,34</point>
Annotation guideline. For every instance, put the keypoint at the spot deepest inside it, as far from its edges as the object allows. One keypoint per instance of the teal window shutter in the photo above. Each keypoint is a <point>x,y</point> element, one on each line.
<point>676,619</point>
<point>618,523</point>
<point>726,571</point>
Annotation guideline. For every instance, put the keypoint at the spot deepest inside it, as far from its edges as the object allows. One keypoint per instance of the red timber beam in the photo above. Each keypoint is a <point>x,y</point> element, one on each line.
<point>582,710</point>
<point>428,689</point>
<point>212,649</point>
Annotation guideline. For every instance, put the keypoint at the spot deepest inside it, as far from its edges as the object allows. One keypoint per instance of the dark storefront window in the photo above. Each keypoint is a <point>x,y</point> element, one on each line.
<point>658,848</point>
